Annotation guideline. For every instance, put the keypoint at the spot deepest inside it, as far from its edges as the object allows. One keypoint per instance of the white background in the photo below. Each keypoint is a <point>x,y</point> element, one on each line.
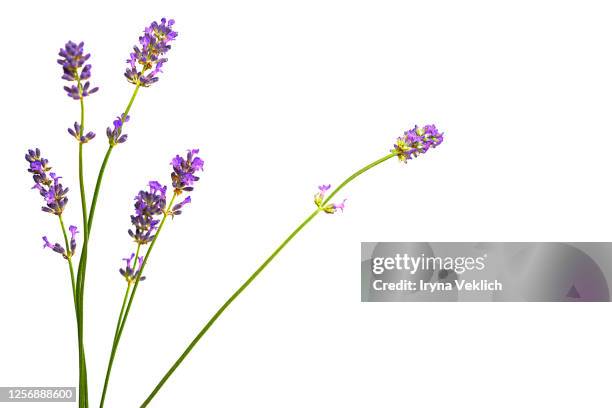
<point>280,97</point>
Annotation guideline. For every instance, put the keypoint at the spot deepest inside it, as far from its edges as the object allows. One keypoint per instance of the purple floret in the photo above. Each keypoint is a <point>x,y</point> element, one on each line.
<point>54,247</point>
<point>114,134</point>
<point>130,273</point>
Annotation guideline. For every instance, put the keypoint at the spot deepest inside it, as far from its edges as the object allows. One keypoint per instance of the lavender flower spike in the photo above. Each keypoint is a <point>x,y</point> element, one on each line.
<point>149,205</point>
<point>417,141</point>
<point>47,183</point>
<point>154,44</point>
<point>73,61</point>
<point>183,171</point>
<point>128,273</point>
<point>328,208</point>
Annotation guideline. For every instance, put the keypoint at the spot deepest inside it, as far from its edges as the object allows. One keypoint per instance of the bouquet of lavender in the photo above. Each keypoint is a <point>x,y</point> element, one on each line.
<point>152,206</point>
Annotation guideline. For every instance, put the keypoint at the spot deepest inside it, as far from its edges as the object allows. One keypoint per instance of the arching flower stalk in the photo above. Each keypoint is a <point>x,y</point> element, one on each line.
<point>412,144</point>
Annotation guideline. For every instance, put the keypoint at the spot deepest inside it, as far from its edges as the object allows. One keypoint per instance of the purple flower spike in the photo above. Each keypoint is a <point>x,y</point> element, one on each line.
<point>114,135</point>
<point>130,274</point>
<point>47,183</point>
<point>183,171</point>
<point>73,64</point>
<point>154,44</point>
<point>76,133</point>
<point>54,247</point>
<point>417,141</point>
<point>320,197</point>
<point>149,205</point>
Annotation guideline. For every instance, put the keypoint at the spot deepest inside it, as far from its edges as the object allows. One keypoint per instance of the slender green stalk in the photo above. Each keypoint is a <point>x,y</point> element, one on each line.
<point>82,365</point>
<point>254,275</point>
<point>81,177</point>
<point>74,298</point>
<point>114,347</point>
<point>115,342</point>
<point>123,319</point>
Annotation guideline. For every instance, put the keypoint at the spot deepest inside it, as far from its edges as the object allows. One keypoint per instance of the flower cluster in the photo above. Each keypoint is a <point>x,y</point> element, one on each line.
<point>56,247</point>
<point>73,61</point>
<point>150,55</point>
<point>114,135</point>
<point>47,183</point>
<point>183,171</point>
<point>417,141</point>
<point>80,137</point>
<point>148,206</point>
<point>130,273</point>
<point>328,208</point>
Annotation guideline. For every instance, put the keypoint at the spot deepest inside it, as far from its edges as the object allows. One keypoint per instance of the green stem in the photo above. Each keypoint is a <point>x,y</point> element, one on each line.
<point>123,316</point>
<point>82,188</point>
<point>229,301</point>
<point>114,347</point>
<point>94,200</point>
<point>87,225</point>
<point>82,368</point>
<point>83,400</point>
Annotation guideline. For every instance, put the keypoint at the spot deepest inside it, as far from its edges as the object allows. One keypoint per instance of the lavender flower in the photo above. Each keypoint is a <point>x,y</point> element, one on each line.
<point>328,208</point>
<point>73,231</point>
<point>177,208</point>
<point>47,183</point>
<point>114,135</point>
<point>73,63</point>
<point>183,174</point>
<point>153,45</point>
<point>76,133</point>
<point>130,274</point>
<point>148,206</point>
<point>417,141</point>
<point>54,247</point>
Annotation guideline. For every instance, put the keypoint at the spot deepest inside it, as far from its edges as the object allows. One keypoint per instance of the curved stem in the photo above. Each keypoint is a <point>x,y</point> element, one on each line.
<point>114,347</point>
<point>233,297</point>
